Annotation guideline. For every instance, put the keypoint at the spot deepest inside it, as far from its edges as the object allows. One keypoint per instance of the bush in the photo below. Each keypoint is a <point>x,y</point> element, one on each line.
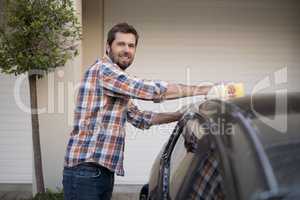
<point>49,195</point>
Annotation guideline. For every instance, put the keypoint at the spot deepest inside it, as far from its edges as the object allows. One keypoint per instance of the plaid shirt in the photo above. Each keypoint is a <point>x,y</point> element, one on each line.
<point>103,106</point>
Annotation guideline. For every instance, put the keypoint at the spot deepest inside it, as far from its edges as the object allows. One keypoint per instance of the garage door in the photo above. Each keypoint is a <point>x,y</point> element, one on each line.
<point>208,40</point>
<point>15,133</point>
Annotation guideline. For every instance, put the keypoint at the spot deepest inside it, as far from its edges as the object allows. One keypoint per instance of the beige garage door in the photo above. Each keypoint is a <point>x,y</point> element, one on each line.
<point>15,133</point>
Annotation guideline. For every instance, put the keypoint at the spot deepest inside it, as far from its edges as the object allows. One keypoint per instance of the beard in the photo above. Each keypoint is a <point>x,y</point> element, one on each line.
<point>117,59</point>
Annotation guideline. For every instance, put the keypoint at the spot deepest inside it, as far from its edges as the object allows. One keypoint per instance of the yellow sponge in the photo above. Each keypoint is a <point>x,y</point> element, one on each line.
<point>234,90</point>
<point>227,91</point>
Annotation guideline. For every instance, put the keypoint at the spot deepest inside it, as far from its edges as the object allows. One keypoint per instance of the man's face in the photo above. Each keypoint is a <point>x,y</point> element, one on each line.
<point>122,49</point>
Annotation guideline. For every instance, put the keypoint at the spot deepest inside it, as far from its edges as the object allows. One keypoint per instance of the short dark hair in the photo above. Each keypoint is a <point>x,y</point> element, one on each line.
<point>121,28</point>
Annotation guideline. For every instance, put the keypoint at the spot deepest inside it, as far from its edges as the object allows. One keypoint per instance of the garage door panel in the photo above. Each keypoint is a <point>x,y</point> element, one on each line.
<point>15,134</point>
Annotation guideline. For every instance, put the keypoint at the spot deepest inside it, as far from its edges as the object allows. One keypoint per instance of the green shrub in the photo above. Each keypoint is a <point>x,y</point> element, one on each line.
<point>49,195</point>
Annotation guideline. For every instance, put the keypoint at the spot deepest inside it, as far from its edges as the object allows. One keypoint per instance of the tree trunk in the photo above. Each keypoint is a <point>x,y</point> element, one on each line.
<point>36,135</point>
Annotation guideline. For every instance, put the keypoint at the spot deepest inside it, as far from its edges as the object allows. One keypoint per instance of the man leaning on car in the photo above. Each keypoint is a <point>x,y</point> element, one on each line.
<point>95,150</point>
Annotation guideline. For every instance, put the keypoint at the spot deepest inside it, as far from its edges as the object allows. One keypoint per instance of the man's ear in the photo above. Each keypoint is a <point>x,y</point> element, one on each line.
<point>107,48</point>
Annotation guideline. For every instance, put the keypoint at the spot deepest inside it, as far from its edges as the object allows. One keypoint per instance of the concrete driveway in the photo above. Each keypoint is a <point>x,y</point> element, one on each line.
<point>121,192</point>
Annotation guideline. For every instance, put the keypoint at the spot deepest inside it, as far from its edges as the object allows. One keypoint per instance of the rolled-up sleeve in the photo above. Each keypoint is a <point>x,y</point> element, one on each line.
<point>138,118</point>
<point>118,82</point>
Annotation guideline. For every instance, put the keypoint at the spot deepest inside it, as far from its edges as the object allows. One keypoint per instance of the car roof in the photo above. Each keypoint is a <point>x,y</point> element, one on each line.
<point>276,117</point>
<point>266,103</point>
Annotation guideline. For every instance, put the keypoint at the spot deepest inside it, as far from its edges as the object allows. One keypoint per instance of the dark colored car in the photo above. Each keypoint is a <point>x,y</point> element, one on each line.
<point>246,148</point>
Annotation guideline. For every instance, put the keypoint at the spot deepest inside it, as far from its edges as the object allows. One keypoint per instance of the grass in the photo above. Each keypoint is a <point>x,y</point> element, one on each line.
<point>49,195</point>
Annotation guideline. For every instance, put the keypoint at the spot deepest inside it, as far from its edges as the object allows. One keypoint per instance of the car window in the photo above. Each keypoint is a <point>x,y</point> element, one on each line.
<point>179,165</point>
<point>181,159</point>
<point>244,158</point>
<point>190,157</point>
<point>283,150</point>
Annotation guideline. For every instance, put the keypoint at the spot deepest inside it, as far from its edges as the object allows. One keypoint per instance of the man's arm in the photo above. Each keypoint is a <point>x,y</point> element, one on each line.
<point>120,83</point>
<point>175,91</point>
<point>168,117</point>
<point>163,118</point>
<point>145,119</point>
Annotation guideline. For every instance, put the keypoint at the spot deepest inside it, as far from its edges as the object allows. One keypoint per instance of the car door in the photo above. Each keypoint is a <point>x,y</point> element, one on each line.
<point>190,148</point>
<point>181,155</point>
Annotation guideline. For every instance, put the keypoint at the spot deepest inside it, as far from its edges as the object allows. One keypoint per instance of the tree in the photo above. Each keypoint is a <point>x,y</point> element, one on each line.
<point>36,37</point>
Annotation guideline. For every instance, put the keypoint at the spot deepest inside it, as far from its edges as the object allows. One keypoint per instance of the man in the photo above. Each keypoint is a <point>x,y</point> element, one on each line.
<point>96,146</point>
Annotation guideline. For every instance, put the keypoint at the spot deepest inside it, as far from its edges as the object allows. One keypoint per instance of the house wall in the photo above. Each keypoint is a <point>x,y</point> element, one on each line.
<point>92,41</point>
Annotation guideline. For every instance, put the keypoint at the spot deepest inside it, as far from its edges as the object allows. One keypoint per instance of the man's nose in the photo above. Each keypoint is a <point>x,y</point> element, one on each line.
<point>126,48</point>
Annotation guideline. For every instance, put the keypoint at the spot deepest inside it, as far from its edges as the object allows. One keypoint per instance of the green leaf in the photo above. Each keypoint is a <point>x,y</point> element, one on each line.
<point>35,35</point>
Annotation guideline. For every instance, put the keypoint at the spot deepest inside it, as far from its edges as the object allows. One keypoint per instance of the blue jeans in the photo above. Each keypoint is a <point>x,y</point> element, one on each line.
<point>87,182</point>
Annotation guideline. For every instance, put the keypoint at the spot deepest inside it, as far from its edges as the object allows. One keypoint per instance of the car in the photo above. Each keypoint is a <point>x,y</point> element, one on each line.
<point>246,148</point>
